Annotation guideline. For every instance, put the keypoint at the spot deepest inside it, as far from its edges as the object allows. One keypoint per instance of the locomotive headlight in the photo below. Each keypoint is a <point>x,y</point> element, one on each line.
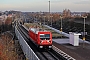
<point>48,41</point>
<point>42,41</point>
<point>41,46</point>
<point>50,46</point>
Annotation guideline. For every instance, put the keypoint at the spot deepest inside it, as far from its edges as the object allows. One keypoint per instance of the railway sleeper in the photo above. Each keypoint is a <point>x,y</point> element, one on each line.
<point>66,56</point>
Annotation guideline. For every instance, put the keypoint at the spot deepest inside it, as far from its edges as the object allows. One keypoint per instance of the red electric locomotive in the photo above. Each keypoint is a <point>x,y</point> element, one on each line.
<point>41,38</point>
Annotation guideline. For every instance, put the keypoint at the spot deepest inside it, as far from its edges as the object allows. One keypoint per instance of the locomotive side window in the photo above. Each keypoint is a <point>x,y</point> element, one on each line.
<point>44,36</point>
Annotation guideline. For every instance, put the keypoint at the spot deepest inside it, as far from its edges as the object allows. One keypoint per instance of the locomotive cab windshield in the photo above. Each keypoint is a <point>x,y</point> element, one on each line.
<point>45,36</point>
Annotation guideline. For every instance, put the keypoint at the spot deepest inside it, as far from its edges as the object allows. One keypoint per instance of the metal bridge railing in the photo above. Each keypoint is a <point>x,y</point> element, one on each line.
<point>28,52</point>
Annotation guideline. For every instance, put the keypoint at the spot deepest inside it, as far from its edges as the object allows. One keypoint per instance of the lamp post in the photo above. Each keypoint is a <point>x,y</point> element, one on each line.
<point>84,30</point>
<point>61,23</point>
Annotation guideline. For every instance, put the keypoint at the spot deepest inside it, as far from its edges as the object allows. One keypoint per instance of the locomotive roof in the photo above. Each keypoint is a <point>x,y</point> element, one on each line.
<point>36,30</point>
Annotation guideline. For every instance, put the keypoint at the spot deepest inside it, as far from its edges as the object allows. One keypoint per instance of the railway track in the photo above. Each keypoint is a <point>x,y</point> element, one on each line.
<point>43,54</point>
<point>49,56</point>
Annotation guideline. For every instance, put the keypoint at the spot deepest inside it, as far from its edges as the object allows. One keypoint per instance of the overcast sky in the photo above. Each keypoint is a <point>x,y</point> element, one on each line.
<point>42,5</point>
